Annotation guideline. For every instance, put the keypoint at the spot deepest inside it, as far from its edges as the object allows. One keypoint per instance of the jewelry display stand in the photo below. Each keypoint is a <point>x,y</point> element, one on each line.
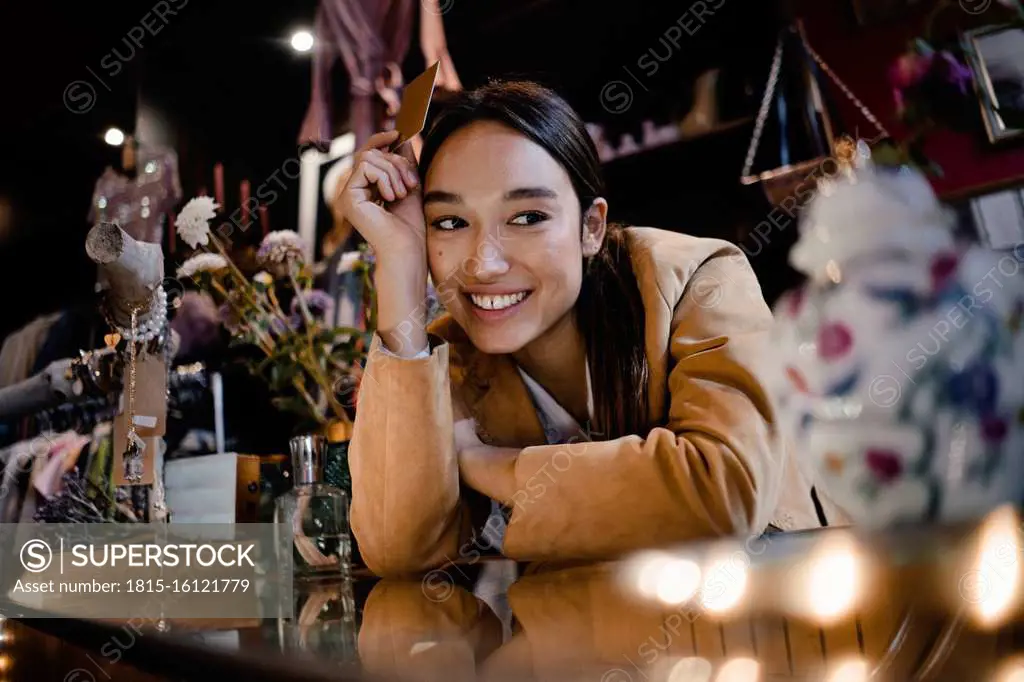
<point>135,307</point>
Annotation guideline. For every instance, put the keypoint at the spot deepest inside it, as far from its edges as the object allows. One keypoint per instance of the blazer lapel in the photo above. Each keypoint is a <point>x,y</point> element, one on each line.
<point>503,409</point>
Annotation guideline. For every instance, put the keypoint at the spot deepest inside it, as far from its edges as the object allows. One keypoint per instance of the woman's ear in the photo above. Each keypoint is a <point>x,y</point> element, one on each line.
<point>595,224</point>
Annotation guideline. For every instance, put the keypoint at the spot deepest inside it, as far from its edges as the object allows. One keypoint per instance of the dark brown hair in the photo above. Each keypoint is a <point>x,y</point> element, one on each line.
<point>609,310</point>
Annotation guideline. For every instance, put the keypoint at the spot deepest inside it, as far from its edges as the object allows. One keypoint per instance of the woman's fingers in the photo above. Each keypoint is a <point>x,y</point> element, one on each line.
<point>407,160</point>
<point>381,140</point>
<point>380,178</point>
<point>384,175</point>
<point>387,163</point>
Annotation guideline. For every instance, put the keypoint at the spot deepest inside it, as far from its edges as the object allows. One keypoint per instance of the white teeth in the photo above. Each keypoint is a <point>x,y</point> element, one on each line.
<point>497,302</point>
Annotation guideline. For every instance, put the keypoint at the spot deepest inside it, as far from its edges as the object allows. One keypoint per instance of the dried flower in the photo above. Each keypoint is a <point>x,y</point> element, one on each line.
<point>319,302</point>
<point>280,247</point>
<point>193,222</point>
<point>202,262</point>
<point>232,322</point>
<point>348,261</point>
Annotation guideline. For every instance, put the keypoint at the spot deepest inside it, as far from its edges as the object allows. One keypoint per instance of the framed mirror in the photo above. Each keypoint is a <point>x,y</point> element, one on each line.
<point>996,57</point>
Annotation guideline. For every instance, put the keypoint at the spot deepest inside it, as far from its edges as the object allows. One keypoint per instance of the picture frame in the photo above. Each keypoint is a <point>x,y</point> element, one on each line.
<point>995,55</point>
<point>998,218</point>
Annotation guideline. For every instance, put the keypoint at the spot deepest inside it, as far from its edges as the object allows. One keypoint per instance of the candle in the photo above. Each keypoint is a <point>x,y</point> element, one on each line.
<point>244,200</point>
<point>264,220</point>
<point>218,183</point>
<point>170,222</point>
<point>217,388</point>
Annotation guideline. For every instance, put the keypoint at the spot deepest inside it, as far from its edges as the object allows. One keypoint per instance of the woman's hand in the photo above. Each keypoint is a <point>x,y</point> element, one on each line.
<point>397,233</point>
<point>395,230</point>
<point>486,469</point>
<point>490,470</point>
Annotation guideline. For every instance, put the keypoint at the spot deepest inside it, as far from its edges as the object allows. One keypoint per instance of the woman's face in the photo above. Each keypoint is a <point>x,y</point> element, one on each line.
<point>503,236</point>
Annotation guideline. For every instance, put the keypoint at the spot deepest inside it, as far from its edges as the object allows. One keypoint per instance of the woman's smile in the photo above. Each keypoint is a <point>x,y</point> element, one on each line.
<point>496,306</point>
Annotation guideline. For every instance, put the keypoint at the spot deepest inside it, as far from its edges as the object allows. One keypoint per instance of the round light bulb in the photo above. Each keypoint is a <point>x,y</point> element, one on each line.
<point>114,137</point>
<point>302,41</point>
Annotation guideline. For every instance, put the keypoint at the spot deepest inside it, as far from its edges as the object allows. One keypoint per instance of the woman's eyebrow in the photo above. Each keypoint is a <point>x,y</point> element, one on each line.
<point>441,197</point>
<point>531,193</point>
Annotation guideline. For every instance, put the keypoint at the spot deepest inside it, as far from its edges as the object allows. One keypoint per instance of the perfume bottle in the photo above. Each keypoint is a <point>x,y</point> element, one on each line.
<point>314,515</point>
<point>324,622</point>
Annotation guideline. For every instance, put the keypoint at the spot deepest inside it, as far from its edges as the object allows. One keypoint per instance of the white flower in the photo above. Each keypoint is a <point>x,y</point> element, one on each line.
<point>193,222</point>
<point>203,262</point>
<point>281,246</point>
<point>348,262</point>
<point>263,277</point>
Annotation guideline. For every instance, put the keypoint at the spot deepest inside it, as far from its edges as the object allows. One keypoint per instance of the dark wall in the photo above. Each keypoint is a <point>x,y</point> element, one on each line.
<point>221,81</point>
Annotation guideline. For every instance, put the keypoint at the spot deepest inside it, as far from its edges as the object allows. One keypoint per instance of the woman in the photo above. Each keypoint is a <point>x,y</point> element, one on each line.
<point>634,348</point>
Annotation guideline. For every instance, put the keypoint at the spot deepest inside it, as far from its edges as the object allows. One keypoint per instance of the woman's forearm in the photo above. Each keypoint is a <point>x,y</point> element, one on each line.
<point>402,305</point>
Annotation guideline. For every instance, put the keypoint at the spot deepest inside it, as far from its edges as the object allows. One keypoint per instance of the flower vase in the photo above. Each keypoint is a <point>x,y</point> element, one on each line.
<point>896,366</point>
<point>336,471</point>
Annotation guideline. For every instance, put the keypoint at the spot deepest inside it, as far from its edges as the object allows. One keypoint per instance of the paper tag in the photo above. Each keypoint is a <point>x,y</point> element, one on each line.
<point>150,417</point>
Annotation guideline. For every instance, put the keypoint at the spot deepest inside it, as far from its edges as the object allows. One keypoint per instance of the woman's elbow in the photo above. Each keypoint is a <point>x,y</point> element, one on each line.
<point>387,560</point>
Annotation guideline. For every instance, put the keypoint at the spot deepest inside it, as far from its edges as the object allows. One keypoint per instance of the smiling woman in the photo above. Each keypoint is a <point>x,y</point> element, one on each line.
<point>593,386</point>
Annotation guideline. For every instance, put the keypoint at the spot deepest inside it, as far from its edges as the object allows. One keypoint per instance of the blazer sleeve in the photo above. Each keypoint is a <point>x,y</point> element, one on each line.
<point>714,468</point>
<point>406,513</point>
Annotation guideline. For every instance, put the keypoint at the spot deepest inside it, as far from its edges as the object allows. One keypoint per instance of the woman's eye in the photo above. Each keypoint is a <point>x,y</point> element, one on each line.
<point>448,223</point>
<point>529,218</point>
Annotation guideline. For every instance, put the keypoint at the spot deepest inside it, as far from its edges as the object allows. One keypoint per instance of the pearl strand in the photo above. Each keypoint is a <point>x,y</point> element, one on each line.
<point>154,323</point>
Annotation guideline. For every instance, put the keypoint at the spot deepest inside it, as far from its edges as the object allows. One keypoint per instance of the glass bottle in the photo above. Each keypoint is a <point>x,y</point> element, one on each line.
<point>314,515</point>
<point>324,622</point>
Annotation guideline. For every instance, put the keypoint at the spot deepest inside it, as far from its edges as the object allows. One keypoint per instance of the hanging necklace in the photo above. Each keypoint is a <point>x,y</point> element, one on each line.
<point>133,451</point>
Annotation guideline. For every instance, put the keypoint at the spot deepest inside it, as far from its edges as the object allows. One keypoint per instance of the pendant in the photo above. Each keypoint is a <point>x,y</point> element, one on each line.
<point>133,458</point>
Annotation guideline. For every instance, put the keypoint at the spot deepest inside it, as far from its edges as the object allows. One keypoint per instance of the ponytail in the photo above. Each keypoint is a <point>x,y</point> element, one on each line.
<point>610,315</point>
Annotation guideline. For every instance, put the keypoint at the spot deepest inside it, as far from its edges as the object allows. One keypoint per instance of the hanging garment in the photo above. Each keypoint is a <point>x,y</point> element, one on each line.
<point>371,38</point>
<point>20,350</point>
<point>138,205</point>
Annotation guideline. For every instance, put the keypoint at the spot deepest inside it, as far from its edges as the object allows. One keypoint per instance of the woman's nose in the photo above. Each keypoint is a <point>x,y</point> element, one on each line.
<point>489,260</point>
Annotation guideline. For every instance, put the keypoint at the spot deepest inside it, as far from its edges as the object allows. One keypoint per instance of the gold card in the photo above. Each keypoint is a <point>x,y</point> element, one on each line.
<point>412,115</point>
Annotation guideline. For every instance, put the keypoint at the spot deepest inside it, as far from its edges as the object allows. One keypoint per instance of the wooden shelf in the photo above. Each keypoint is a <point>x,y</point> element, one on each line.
<point>716,131</point>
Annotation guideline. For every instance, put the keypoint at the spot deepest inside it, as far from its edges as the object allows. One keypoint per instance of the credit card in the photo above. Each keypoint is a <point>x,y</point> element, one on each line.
<point>412,115</point>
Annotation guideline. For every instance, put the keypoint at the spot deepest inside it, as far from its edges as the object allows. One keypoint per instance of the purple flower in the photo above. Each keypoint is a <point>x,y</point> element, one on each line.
<point>909,70</point>
<point>947,69</point>
<point>278,326</point>
<point>930,86</point>
<point>229,318</point>
<point>319,302</point>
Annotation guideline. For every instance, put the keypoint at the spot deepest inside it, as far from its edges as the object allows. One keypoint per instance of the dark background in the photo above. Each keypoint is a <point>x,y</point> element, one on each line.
<point>224,85</point>
<point>221,84</point>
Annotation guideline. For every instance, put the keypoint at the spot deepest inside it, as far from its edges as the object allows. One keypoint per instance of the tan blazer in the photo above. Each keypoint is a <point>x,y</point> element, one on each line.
<point>714,466</point>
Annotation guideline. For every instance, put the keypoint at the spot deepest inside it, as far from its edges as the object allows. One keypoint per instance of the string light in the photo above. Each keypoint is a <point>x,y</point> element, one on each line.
<point>1010,671</point>
<point>690,669</point>
<point>833,580</point>
<point>853,670</point>
<point>740,670</point>
<point>992,584</point>
<point>725,582</point>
